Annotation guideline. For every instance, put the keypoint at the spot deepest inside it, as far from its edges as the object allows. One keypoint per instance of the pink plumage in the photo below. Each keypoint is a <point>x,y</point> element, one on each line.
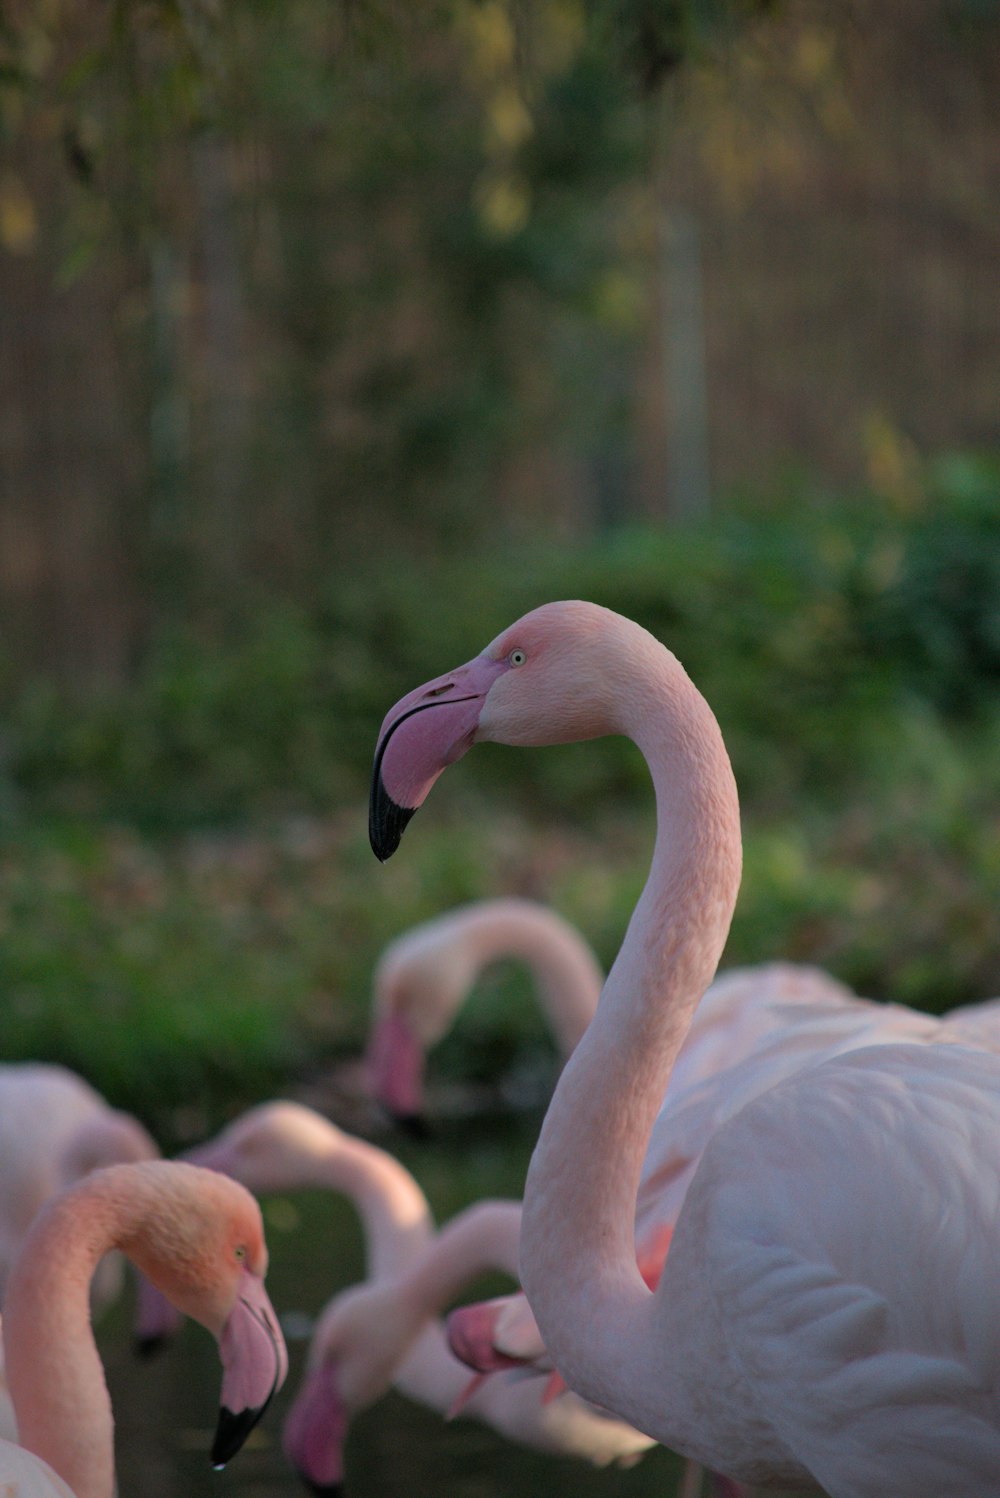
<point>829,1308</point>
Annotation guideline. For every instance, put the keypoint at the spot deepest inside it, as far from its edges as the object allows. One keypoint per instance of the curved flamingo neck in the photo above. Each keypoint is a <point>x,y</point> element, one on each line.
<point>578,1261</point>
<point>286,1147</point>
<point>482,1238</point>
<point>54,1372</point>
<point>395,1216</point>
<point>560,961</point>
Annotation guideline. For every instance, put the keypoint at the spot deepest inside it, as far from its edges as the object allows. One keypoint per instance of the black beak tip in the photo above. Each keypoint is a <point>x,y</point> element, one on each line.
<point>231,1431</point>
<point>413,1125</point>
<point>386,820</point>
<point>150,1347</point>
<point>324,1489</point>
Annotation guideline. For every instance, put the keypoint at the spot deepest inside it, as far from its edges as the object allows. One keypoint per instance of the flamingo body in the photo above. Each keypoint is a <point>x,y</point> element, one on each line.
<point>853,1366</point>
<point>54,1128</point>
<point>27,1476</point>
<point>828,1313</point>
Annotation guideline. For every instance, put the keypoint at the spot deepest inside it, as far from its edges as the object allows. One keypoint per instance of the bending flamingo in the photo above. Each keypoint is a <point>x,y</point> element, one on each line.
<point>198,1237</point>
<point>829,1307</point>
<point>423,976</point>
<point>361,1342</point>
<point>777,1015</point>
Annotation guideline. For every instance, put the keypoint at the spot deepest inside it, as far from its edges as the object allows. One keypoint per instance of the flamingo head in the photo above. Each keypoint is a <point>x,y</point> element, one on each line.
<point>358,1342</point>
<point>491,1335</point>
<point>316,1430</point>
<point>395,1063</point>
<point>273,1147</point>
<point>550,678</point>
<point>206,1253</point>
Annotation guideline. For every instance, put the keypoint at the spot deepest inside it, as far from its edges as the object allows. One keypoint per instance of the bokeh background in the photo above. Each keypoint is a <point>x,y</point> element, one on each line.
<point>336,334</point>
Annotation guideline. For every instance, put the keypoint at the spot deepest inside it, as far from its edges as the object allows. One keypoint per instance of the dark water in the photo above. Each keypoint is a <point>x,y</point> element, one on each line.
<point>165,1410</point>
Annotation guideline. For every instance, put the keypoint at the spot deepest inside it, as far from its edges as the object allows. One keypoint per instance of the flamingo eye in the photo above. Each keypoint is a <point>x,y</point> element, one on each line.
<point>240,1252</point>
<point>517,658</point>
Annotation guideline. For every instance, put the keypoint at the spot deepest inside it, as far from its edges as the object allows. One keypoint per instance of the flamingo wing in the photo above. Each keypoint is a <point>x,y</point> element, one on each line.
<point>850,1243</point>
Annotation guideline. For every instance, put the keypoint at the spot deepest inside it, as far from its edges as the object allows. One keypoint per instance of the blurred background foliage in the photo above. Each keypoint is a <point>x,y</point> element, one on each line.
<point>338,334</point>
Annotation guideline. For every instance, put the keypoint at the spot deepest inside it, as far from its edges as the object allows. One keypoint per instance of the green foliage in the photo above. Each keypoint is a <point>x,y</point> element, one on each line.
<point>188,906</point>
<point>838,631</point>
<point>112,965</point>
<point>938,612</point>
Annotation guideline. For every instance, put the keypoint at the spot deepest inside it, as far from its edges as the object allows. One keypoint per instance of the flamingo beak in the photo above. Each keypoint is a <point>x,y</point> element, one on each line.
<point>315,1431</point>
<point>428,729</point>
<point>254,1362</point>
<point>395,1069</point>
<point>471,1333</point>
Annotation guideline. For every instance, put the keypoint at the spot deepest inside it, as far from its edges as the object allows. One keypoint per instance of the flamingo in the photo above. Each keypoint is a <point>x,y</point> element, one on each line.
<point>55,1128</point>
<point>777,1016</point>
<point>975,1024</point>
<point>423,976</point>
<point>198,1237</point>
<point>828,1309</point>
<point>363,1341</point>
<point>383,1333</point>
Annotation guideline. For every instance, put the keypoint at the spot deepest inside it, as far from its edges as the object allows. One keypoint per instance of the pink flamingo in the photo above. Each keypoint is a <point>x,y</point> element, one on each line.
<point>55,1128</point>
<point>423,976</point>
<point>384,1332</point>
<point>198,1237</point>
<point>496,1333</point>
<point>776,1017</point>
<point>828,1309</point>
<point>365,1341</point>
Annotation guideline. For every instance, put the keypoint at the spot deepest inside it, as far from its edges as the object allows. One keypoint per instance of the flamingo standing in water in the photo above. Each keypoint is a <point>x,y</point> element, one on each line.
<point>198,1237</point>
<point>828,1312</point>
<point>365,1341</point>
